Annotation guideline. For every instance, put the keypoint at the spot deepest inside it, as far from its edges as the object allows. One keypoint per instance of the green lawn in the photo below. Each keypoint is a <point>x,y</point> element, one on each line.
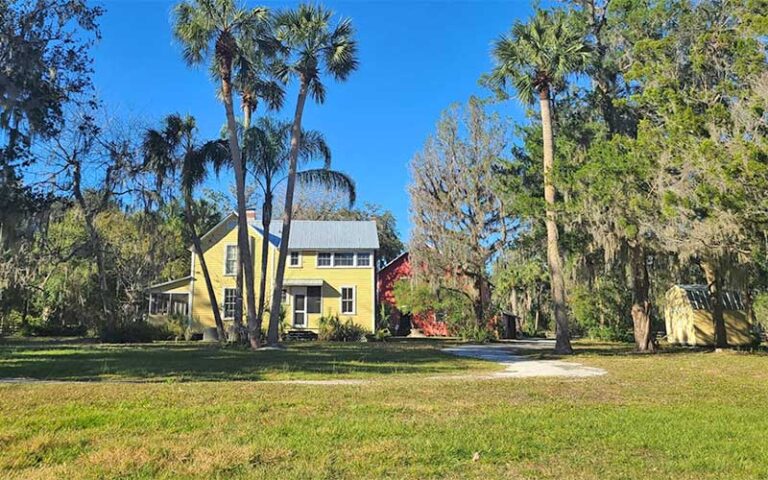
<point>195,361</point>
<point>683,415</point>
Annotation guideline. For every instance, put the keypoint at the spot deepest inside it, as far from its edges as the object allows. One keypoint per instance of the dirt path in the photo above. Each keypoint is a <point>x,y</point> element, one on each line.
<point>520,366</point>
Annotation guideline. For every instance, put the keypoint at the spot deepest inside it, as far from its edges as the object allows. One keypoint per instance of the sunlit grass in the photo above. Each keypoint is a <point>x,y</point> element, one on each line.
<point>683,415</point>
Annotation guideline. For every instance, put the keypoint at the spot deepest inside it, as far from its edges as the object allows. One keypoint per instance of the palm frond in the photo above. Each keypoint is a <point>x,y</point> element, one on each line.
<point>341,51</point>
<point>313,146</point>
<point>540,54</point>
<point>330,179</point>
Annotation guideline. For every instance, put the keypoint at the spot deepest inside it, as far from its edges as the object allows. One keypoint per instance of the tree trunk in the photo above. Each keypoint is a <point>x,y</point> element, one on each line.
<point>714,284</point>
<point>563,342</point>
<point>243,244</point>
<point>481,302</point>
<point>266,219</point>
<point>274,315</point>
<point>238,318</point>
<point>204,267</point>
<point>641,303</point>
<point>516,312</point>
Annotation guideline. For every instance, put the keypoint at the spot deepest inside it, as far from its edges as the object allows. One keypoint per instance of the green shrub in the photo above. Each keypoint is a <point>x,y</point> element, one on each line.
<point>37,327</point>
<point>136,332</point>
<point>382,334</point>
<point>610,334</point>
<point>477,334</point>
<point>332,329</point>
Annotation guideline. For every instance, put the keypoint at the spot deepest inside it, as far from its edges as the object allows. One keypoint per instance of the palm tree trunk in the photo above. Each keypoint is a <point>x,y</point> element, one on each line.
<point>714,283</point>
<point>266,219</point>
<point>243,246</point>
<point>557,282</point>
<point>641,302</point>
<point>274,315</point>
<point>204,267</point>
<point>238,319</point>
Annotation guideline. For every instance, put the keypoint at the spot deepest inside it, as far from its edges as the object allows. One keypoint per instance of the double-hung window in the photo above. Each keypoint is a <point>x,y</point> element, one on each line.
<point>230,259</point>
<point>348,300</point>
<point>364,259</point>
<point>229,302</point>
<point>295,259</point>
<point>343,259</point>
<point>324,259</point>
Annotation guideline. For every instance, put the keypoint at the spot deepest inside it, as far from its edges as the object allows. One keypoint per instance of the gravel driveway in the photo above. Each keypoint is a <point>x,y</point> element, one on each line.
<point>521,366</point>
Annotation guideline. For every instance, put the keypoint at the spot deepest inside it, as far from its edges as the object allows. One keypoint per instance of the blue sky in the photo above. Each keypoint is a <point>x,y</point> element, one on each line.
<point>416,58</point>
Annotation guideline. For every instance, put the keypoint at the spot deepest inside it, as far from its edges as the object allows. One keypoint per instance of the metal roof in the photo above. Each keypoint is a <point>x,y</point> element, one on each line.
<point>325,234</point>
<point>698,296</point>
<point>171,282</point>
<point>297,282</point>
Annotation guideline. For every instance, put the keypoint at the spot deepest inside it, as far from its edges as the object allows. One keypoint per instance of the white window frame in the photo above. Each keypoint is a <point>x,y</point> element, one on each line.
<point>290,259</point>
<point>355,262</point>
<point>226,252</point>
<point>370,259</point>
<point>317,260</point>
<point>224,301</point>
<point>354,300</point>
<point>354,259</point>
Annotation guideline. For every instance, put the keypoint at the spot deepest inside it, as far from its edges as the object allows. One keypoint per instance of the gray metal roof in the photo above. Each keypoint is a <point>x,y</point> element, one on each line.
<point>325,234</point>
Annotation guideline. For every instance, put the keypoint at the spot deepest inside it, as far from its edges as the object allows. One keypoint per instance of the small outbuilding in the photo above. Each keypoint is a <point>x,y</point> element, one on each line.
<point>689,321</point>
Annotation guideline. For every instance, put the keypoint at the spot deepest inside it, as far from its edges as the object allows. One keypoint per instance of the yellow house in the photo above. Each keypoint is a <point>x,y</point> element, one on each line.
<point>688,316</point>
<point>330,270</point>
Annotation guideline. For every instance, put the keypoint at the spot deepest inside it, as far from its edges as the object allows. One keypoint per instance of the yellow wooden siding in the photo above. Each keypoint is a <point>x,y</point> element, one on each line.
<point>361,279</point>
<point>334,278</point>
<point>202,315</point>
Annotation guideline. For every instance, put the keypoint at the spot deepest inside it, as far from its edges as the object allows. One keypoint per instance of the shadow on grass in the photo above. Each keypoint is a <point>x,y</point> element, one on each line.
<point>73,360</point>
<point>583,347</point>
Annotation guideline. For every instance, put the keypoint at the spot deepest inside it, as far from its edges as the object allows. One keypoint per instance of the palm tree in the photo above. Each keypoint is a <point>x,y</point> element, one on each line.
<point>267,149</point>
<point>252,81</point>
<point>537,57</point>
<point>312,47</point>
<point>218,30</point>
<point>174,148</point>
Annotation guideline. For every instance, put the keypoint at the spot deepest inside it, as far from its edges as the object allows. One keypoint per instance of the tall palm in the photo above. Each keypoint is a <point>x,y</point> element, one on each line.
<point>313,47</point>
<point>254,82</point>
<point>537,57</point>
<point>171,149</point>
<point>266,150</point>
<point>218,30</point>
<point>253,78</point>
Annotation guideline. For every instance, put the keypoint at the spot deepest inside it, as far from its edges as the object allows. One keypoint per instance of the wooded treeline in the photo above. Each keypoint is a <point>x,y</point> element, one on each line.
<point>643,162</point>
<point>94,209</point>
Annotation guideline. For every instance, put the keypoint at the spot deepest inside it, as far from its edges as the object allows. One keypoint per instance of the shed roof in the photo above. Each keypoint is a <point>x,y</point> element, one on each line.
<point>698,298</point>
<point>325,234</point>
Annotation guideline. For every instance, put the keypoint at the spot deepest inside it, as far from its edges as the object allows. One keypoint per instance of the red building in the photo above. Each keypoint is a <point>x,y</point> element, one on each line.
<point>401,324</point>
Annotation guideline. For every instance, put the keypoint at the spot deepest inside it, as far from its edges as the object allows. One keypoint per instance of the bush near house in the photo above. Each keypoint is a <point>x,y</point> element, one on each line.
<point>332,329</point>
<point>137,332</point>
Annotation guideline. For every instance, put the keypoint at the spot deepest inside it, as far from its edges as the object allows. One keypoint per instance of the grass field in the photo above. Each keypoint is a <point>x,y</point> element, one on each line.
<point>194,413</point>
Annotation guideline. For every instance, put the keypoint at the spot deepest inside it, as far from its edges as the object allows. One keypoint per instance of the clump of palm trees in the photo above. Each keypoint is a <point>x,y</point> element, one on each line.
<point>253,54</point>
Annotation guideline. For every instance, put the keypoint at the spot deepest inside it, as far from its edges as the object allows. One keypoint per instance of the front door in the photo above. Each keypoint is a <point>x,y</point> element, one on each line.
<point>300,310</point>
